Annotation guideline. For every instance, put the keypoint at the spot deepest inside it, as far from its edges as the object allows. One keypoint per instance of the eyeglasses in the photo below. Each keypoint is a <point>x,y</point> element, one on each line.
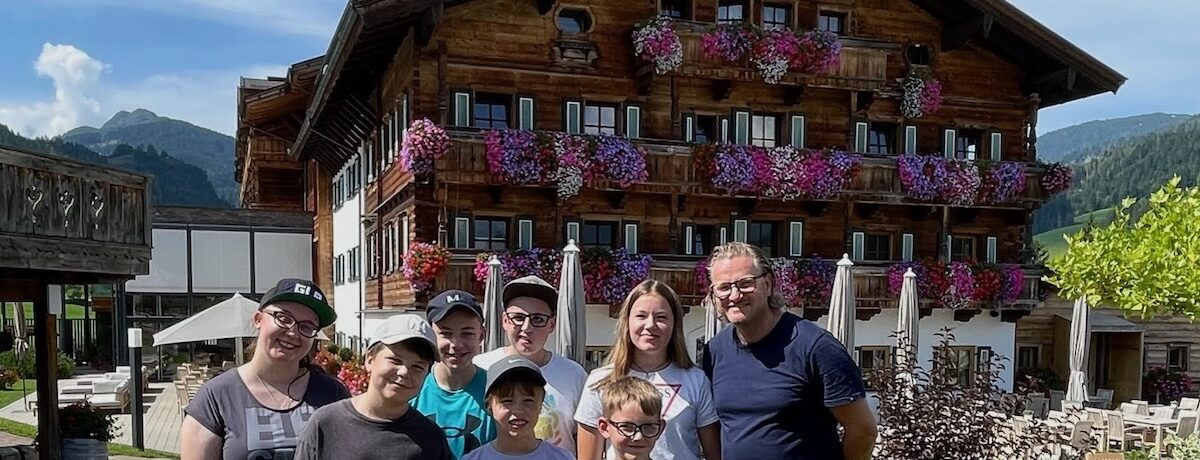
<point>630,429</point>
<point>745,286</point>
<point>286,321</point>
<point>535,319</point>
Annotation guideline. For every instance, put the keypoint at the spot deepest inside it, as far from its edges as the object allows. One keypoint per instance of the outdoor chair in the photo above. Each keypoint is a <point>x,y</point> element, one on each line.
<point>1189,404</point>
<point>1162,412</point>
<point>1072,406</point>
<point>1056,399</point>
<point>1130,408</point>
<point>1038,405</point>
<point>1103,398</point>
<point>1124,437</point>
<point>111,395</point>
<point>1187,425</point>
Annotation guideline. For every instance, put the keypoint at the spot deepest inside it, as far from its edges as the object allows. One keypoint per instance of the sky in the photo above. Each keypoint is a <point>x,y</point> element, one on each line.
<point>70,63</point>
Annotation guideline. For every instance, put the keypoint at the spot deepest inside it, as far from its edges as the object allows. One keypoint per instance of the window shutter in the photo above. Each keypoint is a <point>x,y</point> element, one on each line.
<point>401,237</point>
<point>797,131</point>
<point>906,247</point>
<point>571,114</point>
<point>724,129</point>
<point>740,229</point>
<point>741,127</point>
<point>689,239</point>
<point>948,137</point>
<point>689,127</point>
<point>991,250</point>
<point>724,234</point>
<point>573,231</point>
<point>796,239</point>
<point>526,113</point>
<point>910,139</point>
<point>949,240</point>
<point>631,238</point>
<point>404,121</point>
<point>633,121</point>
<point>861,130</point>
<point>462,108</point>
<point>858,240</point>
<point>997,146</point>
<point>462,232</point>
<point>983,357</point>
<point>524,234</point>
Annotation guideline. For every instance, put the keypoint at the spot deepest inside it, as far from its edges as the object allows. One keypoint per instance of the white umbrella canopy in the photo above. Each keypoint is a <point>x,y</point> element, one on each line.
<point>232,318</point>
<point>1080,334</point>
<point>571,326</point>
<point>841,304</point>
<point>493,305</point>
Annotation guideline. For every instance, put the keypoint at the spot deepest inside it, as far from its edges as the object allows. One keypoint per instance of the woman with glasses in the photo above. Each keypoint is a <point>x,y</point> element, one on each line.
<point>259,409</point>
<point>650,345</point>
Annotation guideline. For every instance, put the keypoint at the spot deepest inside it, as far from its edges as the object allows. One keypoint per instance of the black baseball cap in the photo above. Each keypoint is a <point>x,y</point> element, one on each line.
<point>513,366</point>
<point>531,286</point>
<point>448,300</point>
<point>303,292</point>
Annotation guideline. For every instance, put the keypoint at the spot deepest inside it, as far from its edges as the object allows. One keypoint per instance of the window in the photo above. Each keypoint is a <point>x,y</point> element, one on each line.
<point>491,233</point>
<point>882,138</point>
<point>871,359</point>
<point>678,9</point>
<point>491,111</point>
<point>600,119</point>
<point>832,21</point>
<point>701,239</point>
<point>776,16</point>
<point>1028,357</point>
<point>599,235</point>
<point>877,246</point>
<point>596,356</point>
<point>730,12</point>
<point>962,364</point>
<point>574,21</point>
<point>762,234</point>
<point>962,248</point>
<point>918,54</point>
<point>706,129</point>
<point>1177,358</point>
<point>967,144</point>
<point>763,130</point>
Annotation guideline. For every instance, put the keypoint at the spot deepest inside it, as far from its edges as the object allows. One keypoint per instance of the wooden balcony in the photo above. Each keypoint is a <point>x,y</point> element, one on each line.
<point>671,170</point>
<point>60,215</point>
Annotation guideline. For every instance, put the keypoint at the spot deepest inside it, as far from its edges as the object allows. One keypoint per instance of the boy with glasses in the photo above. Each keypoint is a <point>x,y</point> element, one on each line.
<point>528,321</point>
<point>632,419</point>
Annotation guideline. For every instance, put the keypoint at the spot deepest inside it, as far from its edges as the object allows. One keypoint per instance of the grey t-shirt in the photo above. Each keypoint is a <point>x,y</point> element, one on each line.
<point>544,451</point>
<point>339,431</point>
<point>251,431</point>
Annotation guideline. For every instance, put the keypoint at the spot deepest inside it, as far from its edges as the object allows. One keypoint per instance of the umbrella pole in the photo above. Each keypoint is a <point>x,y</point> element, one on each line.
<point>241,351</point>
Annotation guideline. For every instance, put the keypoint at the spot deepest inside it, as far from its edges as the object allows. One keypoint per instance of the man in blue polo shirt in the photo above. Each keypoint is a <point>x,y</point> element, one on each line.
<point>781,384</point>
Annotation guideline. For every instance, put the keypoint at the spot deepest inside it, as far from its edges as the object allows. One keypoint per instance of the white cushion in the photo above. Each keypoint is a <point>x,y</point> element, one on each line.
<point>108,386</point>
<point>71,398</point>
<point>106,401</point>
<point>76,389</point>
<point>125,369</point>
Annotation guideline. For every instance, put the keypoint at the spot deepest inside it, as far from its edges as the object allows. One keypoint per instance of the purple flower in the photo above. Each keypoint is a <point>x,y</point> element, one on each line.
<point>618,160</point>
<point>517,157</point>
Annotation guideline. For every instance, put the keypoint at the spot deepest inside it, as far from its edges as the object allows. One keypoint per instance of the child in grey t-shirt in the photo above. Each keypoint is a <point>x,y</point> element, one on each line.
<point>380,424</point>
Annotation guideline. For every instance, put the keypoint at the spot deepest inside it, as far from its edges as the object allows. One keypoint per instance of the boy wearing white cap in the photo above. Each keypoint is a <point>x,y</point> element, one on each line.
<point>398,359</point>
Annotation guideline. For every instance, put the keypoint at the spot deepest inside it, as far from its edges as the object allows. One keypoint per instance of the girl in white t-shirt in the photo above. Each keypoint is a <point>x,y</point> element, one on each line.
<point>650,345</point>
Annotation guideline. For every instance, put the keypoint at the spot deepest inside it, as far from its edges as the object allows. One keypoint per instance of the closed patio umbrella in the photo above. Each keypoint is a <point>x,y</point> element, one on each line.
<point>493,305</point>
<point>1080,332</point>
<point>907,325</point>
<point>571,313</point>
<point>841,304</point>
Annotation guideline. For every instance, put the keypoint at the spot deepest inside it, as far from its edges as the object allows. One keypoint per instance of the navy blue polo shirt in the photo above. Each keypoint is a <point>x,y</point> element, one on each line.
<point>773,396</point>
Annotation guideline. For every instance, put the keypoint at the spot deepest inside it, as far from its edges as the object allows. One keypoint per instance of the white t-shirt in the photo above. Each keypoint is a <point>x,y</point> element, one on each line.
<point>687,406</point>
<point>564,383</point>
<point>544,451</point>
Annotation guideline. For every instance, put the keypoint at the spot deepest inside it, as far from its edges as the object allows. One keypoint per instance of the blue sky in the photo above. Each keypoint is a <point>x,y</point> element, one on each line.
<point>76,62</point>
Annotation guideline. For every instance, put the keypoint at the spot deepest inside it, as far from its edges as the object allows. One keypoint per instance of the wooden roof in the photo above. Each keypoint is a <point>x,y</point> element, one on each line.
<point>274,106</point>
<point>296,220</point>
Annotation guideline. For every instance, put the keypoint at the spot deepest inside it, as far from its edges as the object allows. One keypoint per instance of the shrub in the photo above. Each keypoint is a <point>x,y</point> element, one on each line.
<point>345,355</point>
<point>1039,380</point>
<point>1183,448</point>
<point>7,378</point>
<point>27,366</point>
<point>83,421</point>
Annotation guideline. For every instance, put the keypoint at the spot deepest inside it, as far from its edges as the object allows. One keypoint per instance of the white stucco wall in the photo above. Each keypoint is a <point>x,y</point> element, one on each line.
<point>347,234</point>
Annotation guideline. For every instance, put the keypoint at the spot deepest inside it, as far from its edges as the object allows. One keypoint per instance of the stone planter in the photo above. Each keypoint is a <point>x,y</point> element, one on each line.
<point>84,449</point>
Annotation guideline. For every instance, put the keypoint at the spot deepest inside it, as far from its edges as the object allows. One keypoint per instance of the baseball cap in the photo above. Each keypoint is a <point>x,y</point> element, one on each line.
<point>513,366</point>
<point>405,326</point>
<point>303,292</point>
<point>531,286</point>
<point>448,300</point>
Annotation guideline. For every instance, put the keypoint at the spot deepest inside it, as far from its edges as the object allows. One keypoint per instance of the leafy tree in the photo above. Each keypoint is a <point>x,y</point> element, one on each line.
<point>1147,267</point>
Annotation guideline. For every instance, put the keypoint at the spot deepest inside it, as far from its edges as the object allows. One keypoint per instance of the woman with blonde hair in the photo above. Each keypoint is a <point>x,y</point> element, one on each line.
<point>650,344</point>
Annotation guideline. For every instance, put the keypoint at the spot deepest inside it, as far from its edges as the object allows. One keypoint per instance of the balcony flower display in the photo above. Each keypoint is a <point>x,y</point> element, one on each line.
<point>568,161</point>
<point>424,143</point>
<point>774,53</point>
<point>728,41</point>
<point>608,275</point>
<point>655,40</point>
<point>960,284</point>
<point>931,177</point>
<point>542,262</point>
<point>424,263</point>
<point>801,281</point>
<point>1057,179</point>
<point>1002,183</point>
<point>518,157</point>
<point>574,164</point>
<point>780,172</point>
<point>922,94</point>
<point>961,186</point>
<point>618,160</point>
<point>820,51</point>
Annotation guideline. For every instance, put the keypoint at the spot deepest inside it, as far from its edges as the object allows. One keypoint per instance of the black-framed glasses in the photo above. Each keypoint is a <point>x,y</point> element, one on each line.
<point>745,286</point>
<point>287,321</point>
<point>535,319</point>
<point>630,429</point>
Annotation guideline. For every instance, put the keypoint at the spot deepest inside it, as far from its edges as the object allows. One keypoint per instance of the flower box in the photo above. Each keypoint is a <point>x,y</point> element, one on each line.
<point>608,274</point>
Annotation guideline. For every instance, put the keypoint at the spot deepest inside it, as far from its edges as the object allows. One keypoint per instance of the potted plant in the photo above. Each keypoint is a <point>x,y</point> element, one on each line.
<point>85,431</point>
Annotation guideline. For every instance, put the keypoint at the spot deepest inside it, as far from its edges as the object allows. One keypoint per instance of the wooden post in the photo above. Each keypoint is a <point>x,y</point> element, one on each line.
<point>944,244</point>
<point>45,343</point>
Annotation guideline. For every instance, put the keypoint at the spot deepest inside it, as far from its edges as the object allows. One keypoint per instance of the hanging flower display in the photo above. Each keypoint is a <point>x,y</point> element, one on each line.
<point>960,284</point>
<point>424,143</point>
<point>775,52</point>
<point>518,157</point>
<point>922,94</point>
<point>1002,183</point>
<point>1056,179</point>
<point>730,42</point>
<point>424,263</point>
<point>780,172</point>
<point>618,160</point>
<point>541,262</point>
<point>568,161</point>
<point>608,275</point>
<point>574,164</point>
<point>961,186</point>
<point>820,51</point>
<point>930,177</point>
<point>655,40</point>
<point>801,282</point>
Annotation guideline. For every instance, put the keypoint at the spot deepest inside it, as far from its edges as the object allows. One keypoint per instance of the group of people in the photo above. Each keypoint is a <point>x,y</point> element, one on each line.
<point>772,386</point>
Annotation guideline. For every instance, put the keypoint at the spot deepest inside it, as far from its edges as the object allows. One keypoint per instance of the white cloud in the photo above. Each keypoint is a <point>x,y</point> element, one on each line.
<point>312,18</point>
<point>82,96</point>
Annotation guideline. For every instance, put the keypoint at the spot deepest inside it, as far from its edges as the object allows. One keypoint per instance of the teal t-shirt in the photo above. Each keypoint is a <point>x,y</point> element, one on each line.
<point>462,414</point>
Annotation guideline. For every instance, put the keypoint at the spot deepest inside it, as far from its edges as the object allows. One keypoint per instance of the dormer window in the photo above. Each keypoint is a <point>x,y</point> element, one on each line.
<point>574,21</point>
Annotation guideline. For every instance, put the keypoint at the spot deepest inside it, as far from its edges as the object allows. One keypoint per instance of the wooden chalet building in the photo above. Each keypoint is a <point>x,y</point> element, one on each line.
<point>476,66</point>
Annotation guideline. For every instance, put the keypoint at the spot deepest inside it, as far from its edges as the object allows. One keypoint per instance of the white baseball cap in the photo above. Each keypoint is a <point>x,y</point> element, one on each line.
<point>398,328</point>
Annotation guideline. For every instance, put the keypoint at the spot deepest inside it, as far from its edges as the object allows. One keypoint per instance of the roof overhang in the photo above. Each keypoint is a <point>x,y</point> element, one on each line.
<point>1103,321</point>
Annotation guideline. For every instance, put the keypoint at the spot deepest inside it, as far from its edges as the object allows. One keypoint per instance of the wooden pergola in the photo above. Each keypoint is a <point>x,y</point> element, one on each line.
<point>65,222</point>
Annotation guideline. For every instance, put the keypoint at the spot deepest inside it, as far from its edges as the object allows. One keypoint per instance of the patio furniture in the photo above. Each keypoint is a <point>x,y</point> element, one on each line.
<point>1102,398</point>
<point>1117,431</point>
<point>1187,426</point>
<point>1056,399</point>
<point>1130,408</point>
<point>1072,406</point>
<point>1189,404</point>
<point>111,395</point>
<point>1038,405</point>
<point>1156,427</point>
<point>1162,411</point>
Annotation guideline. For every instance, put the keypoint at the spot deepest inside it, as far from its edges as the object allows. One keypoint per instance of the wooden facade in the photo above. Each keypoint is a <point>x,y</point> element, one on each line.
<point>391,62</point>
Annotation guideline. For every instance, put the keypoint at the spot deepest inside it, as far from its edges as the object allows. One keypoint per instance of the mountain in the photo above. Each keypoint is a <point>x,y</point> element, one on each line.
<point>1079,142</point>
<point>175,183</point>
<point>205,148</point>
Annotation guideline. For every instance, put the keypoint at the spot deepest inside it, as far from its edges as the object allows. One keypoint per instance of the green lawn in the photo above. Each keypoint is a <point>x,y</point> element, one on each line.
<point>73,311</point>
<point>13,393</point>
<point>1053,241</point>
<point>1099,216</point>
<point>30,431</point>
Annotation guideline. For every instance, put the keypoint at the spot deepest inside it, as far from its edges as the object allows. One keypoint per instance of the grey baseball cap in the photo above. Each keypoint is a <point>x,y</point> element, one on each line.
<point>513,366</point>
<point>531,286</point>
<point>399,328</point>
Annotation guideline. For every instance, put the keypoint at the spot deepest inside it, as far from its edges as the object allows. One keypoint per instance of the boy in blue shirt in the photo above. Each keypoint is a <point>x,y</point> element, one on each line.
<point>453,393</point>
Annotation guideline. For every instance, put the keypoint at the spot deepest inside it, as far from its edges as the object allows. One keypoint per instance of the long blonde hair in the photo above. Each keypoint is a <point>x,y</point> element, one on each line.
<point>621,356</point>
<point>738,249</point>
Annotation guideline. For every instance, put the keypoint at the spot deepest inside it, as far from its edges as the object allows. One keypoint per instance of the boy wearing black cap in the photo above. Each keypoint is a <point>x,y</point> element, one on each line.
<point>453,393</point>
<point>380,424</point>
<point>515,391</point>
